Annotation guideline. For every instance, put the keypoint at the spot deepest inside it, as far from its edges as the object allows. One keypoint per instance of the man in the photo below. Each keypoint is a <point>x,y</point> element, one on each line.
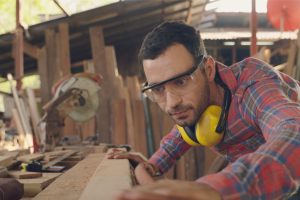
<point>257,128</point>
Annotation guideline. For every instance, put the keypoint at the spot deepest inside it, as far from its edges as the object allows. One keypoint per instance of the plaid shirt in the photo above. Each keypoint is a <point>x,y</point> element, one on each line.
<point>262,135</point>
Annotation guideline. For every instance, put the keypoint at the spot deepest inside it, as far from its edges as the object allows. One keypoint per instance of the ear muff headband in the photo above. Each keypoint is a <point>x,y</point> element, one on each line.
<point>225,106</point>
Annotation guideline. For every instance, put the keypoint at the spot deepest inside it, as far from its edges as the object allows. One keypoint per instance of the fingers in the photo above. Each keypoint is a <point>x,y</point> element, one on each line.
<point>125,155</point>
<point>114,151</point>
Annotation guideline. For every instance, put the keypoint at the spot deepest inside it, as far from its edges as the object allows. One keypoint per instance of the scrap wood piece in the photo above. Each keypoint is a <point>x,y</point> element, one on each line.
<point>3,172</point>
<point>14,154</point>
<point>110,177</point>
<point>6,160</point>
<point>85,149</point>
<point>24,175</point>
<point>54,154</point>
<point>71,184</point>
<point>35,185</point>
<point>22,113</point>
<point>35,117</point>
<point>30,157</point>
<point>58,159</point>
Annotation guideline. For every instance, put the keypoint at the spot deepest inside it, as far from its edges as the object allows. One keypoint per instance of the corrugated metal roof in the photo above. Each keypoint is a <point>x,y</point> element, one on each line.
<point>123,23</point>
<point>231,34</point>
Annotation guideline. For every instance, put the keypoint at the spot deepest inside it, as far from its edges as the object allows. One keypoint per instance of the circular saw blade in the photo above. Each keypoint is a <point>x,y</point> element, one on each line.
<point>86,112</point>
<point>89,90</point>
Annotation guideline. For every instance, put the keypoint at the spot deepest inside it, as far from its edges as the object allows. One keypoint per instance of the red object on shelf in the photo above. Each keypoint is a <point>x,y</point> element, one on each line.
<point>284,14</point>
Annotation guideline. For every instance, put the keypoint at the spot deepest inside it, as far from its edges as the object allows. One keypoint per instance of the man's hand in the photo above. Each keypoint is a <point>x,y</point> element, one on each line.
<point>170,190</point>
<point>142,168</point>
<point>123,154</point>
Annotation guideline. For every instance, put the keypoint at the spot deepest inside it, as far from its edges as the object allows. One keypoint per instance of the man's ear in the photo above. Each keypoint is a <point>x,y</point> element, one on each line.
<point>210,68</point>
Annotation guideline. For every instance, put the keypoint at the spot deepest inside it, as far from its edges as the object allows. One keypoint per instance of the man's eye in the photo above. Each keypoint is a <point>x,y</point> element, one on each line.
<point>158,89</point>
<point>181,81</point>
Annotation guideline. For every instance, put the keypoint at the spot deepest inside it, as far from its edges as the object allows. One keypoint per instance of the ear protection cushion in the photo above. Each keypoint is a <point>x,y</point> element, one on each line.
<point>206,127</point>
<point>184,134</point>
<point>205,130</point>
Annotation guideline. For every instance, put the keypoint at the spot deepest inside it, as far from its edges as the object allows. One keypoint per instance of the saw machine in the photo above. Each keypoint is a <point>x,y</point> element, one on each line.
<point>75,97</point>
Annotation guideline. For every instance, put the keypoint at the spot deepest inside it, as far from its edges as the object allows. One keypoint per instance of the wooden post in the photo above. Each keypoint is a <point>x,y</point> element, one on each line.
<point>253,25</point>
<point>63,49</point>
<point>99,58</point>
<point>51,57</point>
<point>18,47</point>
<point>43,72</point>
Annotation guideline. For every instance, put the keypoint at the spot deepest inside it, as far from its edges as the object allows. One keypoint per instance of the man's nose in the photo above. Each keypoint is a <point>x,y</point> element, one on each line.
<point>172,99</point>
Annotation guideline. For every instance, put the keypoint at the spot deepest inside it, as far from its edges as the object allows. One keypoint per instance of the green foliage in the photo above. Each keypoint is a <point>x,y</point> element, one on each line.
<point>36,11</point>
<point>31,11</point>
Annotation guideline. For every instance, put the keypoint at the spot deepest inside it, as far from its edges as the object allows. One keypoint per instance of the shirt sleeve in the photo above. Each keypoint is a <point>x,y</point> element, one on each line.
<point>273,170</point>
<point>172,147</point>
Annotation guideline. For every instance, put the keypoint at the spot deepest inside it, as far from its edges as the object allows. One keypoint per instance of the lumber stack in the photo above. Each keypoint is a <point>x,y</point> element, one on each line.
<point>15,164</point>
<point>95,177</point>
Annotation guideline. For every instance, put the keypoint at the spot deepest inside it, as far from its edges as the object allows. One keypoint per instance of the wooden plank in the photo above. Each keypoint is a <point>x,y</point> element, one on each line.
<point>22,114</point>
<point>34,186</point>
<point>110,177</point>
<point>6,160</point>
<point>20,129</point>
<point>291,58</point>
<point>156,119</point>
<point>43,72</point>
<point>35,117</point>
<point>58,159</point>
<point>24,175</point>
<point>118,122</point>
<point>140,127</point>
<point>51,53</point>
<point>18,54</point>
<point>64,49</point>
<point>71,184</point>
<point>134,87</point>
<point>54,154</point>
<point>129,119</point>
<point>112,73</point>
<point>99,58</point>
<point>30,157</point>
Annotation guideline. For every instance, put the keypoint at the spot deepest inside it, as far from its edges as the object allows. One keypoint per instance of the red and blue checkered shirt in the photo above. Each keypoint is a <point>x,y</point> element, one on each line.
<point>262,135</point>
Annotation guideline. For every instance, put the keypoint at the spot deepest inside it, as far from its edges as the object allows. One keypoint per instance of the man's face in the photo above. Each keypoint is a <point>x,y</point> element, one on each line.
<point>185,107</point>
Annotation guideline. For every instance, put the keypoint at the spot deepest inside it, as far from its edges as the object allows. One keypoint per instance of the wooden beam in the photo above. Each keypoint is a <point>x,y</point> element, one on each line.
<point>34,186</point>
<point>61,8</point>
<point>98,51</point>
<point>118,122</point>
<point>30,50</point>
<point>253,24</point>
<point>19,56</point>
<point>30,157</point>
<point>43,72</point>
<point>58,159</point>
<point>71,184</point>
<point>139,127</point>
<point>24,175</point>
<point>63,49</point>
<point>110,177</point>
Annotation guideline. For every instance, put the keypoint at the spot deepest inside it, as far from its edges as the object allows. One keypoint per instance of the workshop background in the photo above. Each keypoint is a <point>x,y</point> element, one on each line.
<point>70,83</point>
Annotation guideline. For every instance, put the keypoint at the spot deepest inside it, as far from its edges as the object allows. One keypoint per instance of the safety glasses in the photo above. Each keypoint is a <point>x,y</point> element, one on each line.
<point>178,85</point>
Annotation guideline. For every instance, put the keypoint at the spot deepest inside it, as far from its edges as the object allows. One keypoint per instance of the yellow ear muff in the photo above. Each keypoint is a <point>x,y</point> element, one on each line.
<point>186,137</point>
<point>206,127</point>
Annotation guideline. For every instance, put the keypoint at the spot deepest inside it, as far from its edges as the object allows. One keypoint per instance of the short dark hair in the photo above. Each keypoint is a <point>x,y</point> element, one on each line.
<point>170,33</point>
